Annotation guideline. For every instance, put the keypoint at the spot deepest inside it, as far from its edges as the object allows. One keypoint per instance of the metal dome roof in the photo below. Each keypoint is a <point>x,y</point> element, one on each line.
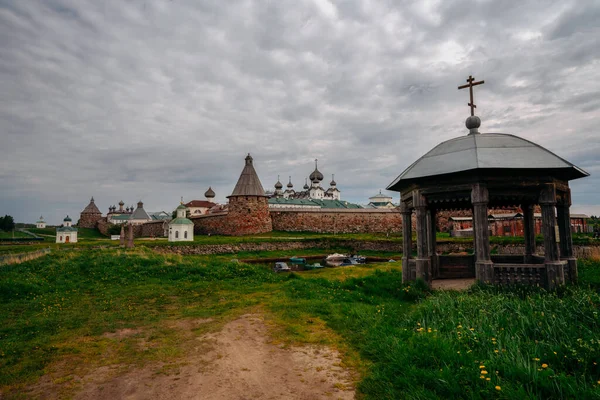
<point>316,174</point>
<point>209,194</point>
<point>290,185</point>
<point>489,151</point>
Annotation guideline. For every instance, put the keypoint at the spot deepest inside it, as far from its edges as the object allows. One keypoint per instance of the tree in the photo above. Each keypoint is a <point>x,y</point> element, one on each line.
<point>7,223</point>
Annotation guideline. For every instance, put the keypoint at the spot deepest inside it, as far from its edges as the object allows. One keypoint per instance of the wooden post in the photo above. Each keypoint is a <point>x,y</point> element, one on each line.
<point>406,241</point>
<point>431,241</point>
<point>528,231</point>
<point>566,239</point>
<point>484,268</point>
<point>554,270</point>
<point>422,261</point>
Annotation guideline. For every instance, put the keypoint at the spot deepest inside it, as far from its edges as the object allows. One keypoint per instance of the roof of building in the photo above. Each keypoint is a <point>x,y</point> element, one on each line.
<point>381,203</point>
<point>297,202</point>
<point>66,229</point>
<point>91,208</point>
<point>67,218</point>
<point>248,184</point>
<point>160,215</point>
<point>484,152</point>
<point>181,221</point>
<point>120,217</point>
<point>140,213</point>
<point>380,196</point>
<point>200,203</point>
<point>313,203</point>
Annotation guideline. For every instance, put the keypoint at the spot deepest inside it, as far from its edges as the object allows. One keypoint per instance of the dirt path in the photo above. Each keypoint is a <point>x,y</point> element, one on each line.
<point>241,364</point>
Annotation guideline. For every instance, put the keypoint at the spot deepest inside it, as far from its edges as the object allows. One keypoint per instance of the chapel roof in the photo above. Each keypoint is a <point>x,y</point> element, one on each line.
<point>489,151</point>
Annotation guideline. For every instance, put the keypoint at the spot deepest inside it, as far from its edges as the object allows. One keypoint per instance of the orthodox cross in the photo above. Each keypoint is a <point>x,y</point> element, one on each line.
<point>470,86</point>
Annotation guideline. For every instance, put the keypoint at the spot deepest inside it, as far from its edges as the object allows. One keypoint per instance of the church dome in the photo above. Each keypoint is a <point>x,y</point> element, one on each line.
<point>290,185</point>
<point>278,185</point>
<point>332,183</point>
<point>316,174</point>
<point>306,187</point>
<point>209,194</point>
<point>121,203</point>
<point>67,219</point>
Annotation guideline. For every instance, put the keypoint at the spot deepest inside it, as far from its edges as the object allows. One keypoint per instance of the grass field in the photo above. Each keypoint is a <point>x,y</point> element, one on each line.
<point>408,343</point>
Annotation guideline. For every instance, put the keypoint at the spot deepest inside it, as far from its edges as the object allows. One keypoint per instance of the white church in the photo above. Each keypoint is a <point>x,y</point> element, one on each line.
<point>40,223</point>
<point>181,229</point>
<point>66,233</point>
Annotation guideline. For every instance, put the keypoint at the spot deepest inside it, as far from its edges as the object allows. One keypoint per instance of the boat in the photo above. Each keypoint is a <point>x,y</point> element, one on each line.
<point>314,266</point>
<point>281,267</point>
<point>297,260</point>
<point>335,256</point>
<point>348,261</point>
<point>359,259</point>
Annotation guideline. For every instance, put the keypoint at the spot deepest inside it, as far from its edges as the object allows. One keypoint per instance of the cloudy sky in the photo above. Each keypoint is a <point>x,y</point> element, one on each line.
<point>157,99</point>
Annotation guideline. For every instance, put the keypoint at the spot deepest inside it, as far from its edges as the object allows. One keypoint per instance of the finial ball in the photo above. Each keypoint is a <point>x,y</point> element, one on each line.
<point>473,122</point>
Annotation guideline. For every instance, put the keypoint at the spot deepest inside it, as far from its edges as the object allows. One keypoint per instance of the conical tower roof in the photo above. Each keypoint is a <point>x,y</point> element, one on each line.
<point>91,208</point>
<point>248,184</point>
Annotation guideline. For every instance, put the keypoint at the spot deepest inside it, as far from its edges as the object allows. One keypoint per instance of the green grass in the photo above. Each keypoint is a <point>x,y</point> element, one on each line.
<point>406,341</point>
<point>17,234</point>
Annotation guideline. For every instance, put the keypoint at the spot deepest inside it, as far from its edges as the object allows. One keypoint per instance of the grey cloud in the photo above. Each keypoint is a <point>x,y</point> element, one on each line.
<point>159,99</point>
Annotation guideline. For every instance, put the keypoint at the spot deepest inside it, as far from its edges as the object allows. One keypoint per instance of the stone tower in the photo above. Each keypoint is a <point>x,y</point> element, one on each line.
<point>248,205</point>
<point>90,215</point>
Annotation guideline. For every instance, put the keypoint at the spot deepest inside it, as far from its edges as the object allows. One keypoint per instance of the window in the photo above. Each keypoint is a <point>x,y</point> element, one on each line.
<point>176,234</point>
<point>185,235</point>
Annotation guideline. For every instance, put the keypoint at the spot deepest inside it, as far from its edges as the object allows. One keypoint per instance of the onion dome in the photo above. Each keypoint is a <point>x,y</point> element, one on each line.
<point>278,185</point>
<point>209,194</point>
<point>121,203</point>
<point>290,185</point>
<point>316,174</point>
<point>332,183</point>
<point>67,219</point>
<point>306,187</point>
<point>181,207</point>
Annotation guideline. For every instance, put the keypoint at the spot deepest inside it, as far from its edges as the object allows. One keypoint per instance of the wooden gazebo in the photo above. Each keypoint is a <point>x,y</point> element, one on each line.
<point>482,171</point>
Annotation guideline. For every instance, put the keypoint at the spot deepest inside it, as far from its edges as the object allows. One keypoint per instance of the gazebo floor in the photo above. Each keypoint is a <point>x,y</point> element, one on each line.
<point>452,284</point>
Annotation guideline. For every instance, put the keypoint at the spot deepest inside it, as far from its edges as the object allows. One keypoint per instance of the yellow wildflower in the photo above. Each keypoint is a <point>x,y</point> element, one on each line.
<point>544,365</point>
<point>536,359</point>
<point>458,327</point>
<point>498,388</point>
<point>484,372</point>
<point>481,366</point>
<point>487,379</point>
<point>496,351</point>
<point>482,377</point>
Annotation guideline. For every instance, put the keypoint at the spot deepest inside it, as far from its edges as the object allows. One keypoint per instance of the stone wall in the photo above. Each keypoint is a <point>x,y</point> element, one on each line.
<point>246,215</point>
<point>355,246</point>
<point>152,229</point>
<point>337,221</point>
<point>89,220</point>
<point>103,226</point>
